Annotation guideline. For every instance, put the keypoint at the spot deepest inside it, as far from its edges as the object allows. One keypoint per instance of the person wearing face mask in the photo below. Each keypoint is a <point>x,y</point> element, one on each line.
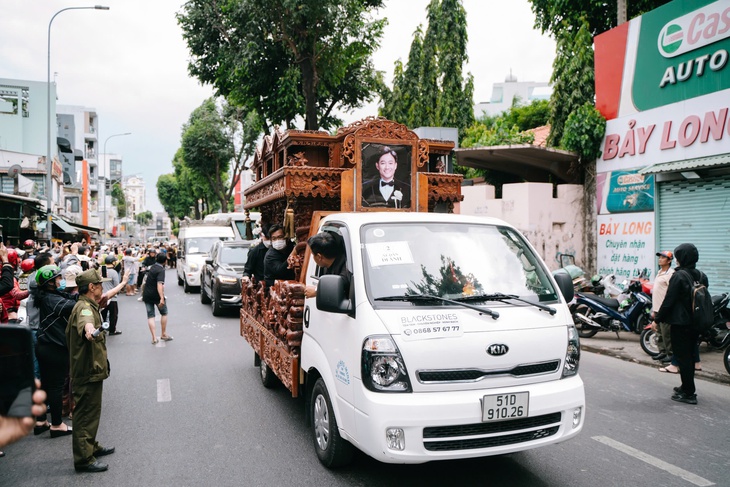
<point>55,308</point>
<point>275,262</point>
<point>254,268</point>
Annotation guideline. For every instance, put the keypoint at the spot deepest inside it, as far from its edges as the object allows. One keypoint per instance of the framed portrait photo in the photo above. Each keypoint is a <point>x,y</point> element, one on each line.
<point>386,174</point>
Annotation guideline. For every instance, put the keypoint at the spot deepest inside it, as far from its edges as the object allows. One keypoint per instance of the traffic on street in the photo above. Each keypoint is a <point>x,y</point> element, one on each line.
<point>193,411</point>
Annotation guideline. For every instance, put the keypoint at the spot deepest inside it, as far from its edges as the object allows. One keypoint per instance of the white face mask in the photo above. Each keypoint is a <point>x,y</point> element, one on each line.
<point>267,243</point>
<point>279,244</point>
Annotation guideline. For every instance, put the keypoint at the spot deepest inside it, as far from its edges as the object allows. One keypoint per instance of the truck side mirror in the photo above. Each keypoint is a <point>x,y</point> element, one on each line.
<point>332,296</point>
<point>209,261</point>
<point>565,283</point>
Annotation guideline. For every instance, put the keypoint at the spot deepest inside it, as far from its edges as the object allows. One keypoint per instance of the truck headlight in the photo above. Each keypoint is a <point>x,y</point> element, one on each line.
<point>383,368</point>
<point>572,354</point>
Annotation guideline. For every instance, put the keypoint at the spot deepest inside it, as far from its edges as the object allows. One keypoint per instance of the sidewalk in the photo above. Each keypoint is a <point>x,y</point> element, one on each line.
<point>627,347</point>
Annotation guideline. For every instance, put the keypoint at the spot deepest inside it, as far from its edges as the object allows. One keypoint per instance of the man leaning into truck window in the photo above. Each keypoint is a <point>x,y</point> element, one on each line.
<point>328,252</point>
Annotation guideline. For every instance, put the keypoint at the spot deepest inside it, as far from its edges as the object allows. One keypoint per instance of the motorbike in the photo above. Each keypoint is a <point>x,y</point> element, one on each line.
<point>717,337</point>
<point>592,313</point>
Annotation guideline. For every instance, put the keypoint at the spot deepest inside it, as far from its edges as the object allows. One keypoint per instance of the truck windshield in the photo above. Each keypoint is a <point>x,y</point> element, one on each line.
<point>452,261</point>
<point>201,245</point>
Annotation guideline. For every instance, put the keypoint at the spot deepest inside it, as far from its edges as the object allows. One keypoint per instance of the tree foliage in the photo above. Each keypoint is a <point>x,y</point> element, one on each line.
<point>286,58</point>
<point>573,78</point>
<point>217,142</point>
<point>119,200</point>
<point>584,131</point>
<point>144,218</point>
<point>554,16</point>
<point>431,90</point>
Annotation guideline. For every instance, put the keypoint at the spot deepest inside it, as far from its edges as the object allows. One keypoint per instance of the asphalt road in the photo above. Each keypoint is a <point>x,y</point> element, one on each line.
<point>192,412</point>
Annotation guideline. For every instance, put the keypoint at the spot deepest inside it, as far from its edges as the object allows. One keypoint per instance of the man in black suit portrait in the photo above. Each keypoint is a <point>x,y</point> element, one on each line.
<point>384,190</point>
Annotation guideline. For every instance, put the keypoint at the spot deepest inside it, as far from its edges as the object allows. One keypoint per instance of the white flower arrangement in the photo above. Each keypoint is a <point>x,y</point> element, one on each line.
<point>397,196</point>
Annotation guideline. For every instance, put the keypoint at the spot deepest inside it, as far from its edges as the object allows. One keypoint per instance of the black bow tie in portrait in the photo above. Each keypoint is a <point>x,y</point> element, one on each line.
<point>390,183</point>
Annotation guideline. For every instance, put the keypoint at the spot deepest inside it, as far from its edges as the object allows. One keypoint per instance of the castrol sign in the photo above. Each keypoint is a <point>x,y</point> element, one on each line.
<point>697,29</point>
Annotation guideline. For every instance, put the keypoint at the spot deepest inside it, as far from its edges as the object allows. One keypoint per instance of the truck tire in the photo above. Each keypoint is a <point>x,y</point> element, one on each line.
<point>332,450</point>
<point>268,378</point>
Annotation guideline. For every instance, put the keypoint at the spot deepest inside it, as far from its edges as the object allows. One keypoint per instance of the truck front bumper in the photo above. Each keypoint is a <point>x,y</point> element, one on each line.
<point>448,425</point>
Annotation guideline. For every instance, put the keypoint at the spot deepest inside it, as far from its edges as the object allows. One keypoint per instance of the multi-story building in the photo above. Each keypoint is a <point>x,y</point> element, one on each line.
<point>134,191</point>
<point>504,94</point>
<point>110,173</point>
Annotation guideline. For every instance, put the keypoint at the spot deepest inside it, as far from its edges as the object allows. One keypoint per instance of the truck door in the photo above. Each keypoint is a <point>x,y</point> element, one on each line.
<point>331,337</point>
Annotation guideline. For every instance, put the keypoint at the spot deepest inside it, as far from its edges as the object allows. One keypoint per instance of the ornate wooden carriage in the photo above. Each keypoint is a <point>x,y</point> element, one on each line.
<point>301,176</point>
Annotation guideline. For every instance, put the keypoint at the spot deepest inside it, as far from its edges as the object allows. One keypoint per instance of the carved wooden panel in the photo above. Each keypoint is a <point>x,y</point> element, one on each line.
<point>378,127</point>
<point>444,187</point>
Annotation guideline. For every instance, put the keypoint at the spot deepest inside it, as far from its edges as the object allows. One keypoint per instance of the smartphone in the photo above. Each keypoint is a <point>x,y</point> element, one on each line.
<point>1,234</point>
<point>17,380</point>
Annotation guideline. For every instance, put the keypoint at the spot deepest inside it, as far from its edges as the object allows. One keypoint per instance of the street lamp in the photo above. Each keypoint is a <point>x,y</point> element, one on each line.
<point>106,158</point>
<point>49,160</point>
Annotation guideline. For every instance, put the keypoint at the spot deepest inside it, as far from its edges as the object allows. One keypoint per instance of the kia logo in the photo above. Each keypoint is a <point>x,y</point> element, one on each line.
<point>497,349</point>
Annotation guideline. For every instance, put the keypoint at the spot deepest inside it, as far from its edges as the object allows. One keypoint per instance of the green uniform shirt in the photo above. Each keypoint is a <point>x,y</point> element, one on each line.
<point>88,357</point>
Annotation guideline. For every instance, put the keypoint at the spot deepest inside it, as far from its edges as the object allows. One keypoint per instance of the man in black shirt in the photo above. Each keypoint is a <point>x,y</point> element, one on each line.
<point>275,262</point>
<point>328,252</point>
<point>254,268</point>
<point>154,295</point>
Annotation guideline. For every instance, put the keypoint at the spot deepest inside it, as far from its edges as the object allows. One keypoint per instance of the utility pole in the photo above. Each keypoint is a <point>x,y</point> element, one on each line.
<point>621,12</point>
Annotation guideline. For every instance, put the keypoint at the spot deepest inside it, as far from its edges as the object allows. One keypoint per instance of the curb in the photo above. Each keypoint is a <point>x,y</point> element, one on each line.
<point>620,353</point>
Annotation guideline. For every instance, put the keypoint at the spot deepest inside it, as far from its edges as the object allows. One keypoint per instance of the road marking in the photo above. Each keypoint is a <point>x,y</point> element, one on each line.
<point>654,461</point>
<point>163,390</point>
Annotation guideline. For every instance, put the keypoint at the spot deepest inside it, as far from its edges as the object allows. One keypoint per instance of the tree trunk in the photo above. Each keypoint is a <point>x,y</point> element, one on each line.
<point>309,86</point>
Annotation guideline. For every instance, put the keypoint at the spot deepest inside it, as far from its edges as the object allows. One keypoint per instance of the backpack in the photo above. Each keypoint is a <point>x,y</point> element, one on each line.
<point>703,314</point>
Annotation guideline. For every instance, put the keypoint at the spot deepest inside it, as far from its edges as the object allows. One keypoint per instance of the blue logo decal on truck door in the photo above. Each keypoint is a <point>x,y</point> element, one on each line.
<point>341,373</point>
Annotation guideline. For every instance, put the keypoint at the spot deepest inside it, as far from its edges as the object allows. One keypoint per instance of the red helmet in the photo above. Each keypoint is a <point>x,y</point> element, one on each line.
<point>29,244</point>
<point>13,257</point>
<point>27,265</point>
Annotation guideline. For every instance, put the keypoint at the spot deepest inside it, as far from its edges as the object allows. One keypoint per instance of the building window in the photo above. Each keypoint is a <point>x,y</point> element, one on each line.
<point>12,97</point>
<point>72,204</point>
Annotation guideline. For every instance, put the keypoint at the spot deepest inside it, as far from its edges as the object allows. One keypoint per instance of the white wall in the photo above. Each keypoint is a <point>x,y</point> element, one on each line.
<point>552,225</point>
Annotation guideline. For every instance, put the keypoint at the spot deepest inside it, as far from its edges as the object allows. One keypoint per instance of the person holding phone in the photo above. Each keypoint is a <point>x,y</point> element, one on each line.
<point>14,428</point>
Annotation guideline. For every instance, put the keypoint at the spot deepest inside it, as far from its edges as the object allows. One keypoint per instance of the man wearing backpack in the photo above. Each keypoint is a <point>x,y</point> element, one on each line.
<point>677,310</point>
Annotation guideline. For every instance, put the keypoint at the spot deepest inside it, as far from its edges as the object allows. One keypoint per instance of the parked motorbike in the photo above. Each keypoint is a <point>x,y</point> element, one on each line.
<point>717,337</point>
<point>592,313</point>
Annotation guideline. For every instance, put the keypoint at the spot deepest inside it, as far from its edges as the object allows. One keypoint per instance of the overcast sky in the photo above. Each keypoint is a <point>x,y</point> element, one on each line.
<point>130,64</point>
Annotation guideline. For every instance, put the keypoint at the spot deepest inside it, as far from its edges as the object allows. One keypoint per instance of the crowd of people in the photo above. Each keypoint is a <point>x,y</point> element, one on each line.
<point>68,291</point>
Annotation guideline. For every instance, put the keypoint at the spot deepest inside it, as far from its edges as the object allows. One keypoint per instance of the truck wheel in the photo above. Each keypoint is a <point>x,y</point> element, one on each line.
<point>204,298</point>
<point>268,378</point>
<point>332,450</point>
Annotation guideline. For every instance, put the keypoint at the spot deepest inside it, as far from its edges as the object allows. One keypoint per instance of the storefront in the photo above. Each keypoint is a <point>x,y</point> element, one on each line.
<point>663,83</point>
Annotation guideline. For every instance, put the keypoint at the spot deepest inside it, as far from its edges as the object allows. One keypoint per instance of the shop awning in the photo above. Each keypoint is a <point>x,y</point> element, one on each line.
<point>687,165</point>
<point>530,162</point>
<point>85,229</point>
<point>59,223</point>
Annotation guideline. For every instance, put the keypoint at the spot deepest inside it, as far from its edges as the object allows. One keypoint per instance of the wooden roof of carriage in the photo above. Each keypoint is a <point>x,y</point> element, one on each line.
<point>312,164</point>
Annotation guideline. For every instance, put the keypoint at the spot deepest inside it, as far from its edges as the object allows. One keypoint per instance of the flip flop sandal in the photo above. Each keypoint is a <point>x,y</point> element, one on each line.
<point>166,338</point>
<point>668,370</point>
<point>155,341</point>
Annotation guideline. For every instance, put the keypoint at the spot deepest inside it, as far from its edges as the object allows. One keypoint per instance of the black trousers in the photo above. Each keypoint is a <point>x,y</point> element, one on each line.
<point>53,361</point>
<point>684,341</point>
<point>112,311</point>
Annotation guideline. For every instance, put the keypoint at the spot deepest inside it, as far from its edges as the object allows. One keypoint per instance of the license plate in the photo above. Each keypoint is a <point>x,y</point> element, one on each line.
<point>501,407</point>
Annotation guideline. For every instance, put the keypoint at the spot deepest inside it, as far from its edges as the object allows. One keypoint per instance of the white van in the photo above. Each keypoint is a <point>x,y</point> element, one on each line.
<point>236,220</point>
<point>194,243</point>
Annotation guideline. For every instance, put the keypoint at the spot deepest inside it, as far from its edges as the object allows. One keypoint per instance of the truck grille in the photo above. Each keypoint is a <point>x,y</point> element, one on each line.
<point>475,375</point>
<point>539,426</point>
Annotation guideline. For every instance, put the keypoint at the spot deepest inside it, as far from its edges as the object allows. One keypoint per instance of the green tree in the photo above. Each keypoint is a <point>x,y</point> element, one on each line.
<point>431,90</point>
<point>526,117</point>
<point>119,200</point>
<point>286,58</point>
<point>144,218</point>
<point>573,78</point>
<point>172,198</point>
<point>217,143</point>
<point>553,16</point>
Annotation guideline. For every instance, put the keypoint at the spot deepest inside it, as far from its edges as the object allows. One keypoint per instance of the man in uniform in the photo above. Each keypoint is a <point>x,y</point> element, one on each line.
<point>89,368</point>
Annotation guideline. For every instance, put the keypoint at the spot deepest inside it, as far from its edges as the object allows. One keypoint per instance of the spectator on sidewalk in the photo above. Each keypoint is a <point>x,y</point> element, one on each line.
<point>661,283</point>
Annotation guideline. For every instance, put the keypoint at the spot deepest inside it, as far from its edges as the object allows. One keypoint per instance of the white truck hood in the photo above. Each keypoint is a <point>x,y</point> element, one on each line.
<point>457,349</point>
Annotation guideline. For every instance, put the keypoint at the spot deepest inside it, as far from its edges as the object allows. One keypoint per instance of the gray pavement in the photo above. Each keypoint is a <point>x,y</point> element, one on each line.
<point>627,347</point>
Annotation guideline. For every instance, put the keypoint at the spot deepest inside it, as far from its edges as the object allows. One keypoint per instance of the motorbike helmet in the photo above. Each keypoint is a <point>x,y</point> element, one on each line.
<point>27,265</point>
<point>13,258</point>
<point>29,244</point>
<point>110,259</point>
<point>46,274</point>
